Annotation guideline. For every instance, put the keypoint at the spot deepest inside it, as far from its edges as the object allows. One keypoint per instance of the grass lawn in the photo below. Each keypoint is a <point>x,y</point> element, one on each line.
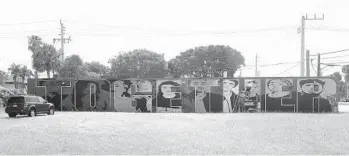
<point>160,133</point>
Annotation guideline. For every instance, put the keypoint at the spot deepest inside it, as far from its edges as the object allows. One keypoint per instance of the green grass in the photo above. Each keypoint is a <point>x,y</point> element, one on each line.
<point>162,133</point>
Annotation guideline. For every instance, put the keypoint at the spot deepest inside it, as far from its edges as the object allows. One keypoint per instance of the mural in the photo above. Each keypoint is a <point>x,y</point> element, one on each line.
<point>313,94</point>
<point>208,95</point>
<point>92,95</point>
<point>252,95</point>
<point>231,95</point>
<point>142,97</point>
<point>59,92</point>
<point>280,95</point>
<point>168,96</point>
<point>309,95</point>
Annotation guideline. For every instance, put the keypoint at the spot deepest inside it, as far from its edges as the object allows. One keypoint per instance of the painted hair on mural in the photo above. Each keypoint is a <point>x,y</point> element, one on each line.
<point>167,102</point>
<point>167,83</point>
<point>302,82</point>
<point>288,86</point>
<point>236,82</point>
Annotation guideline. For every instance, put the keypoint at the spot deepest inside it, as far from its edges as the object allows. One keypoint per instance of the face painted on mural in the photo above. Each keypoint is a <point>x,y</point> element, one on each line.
<point>121,89</point>
<point>312,88</point>
<point>167,91</point>
<point>200,86</point>
<point>279,88</point>
<point>279,85</point>
<point>228,85</point>
<point>144,86</point>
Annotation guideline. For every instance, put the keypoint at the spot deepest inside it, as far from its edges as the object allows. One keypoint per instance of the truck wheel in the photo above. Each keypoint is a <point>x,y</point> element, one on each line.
<point>32,112</point>
<point>51,111</point>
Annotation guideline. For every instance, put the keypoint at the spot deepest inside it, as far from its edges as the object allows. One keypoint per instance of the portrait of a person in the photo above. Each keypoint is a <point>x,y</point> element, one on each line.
<point>230,93</point>
<point>168,96</point>
<point>309,96</point>
<point>206,101</point>
<point>279,96</point>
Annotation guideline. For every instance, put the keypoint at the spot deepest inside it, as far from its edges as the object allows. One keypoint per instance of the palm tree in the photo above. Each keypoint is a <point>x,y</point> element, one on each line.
<point>15,73</point>
<point>25,73</point>
<point>44,56</point>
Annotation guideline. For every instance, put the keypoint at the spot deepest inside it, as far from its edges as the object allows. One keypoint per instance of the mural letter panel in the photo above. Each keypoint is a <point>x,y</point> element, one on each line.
<point>227,95</point>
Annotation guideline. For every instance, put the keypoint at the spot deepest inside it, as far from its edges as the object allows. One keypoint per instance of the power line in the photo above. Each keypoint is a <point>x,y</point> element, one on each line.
<point>223,33</point>
<point>31,31</point>
<point>332,57</point>
<point>329,29</point>
<point>27,23</point>
<point>189,31</point>
<point>333,52</point>
<point>336,63</point>
<point>19,36</point>
<point>287,70</point>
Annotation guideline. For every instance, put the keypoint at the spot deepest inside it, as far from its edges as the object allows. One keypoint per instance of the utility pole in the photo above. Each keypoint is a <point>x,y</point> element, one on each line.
<point>308,62</point>
<point>318,66</point>
<point>62,39</point>
<point>240,72</point>
<point>302,31</point>
<point>256,65</point>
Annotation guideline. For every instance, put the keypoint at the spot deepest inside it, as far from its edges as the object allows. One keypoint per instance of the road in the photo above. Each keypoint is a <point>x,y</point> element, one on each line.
<point>202,134</point>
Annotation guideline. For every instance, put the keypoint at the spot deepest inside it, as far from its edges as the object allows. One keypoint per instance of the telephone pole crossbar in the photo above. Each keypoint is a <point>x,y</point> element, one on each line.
<point>62,39</point>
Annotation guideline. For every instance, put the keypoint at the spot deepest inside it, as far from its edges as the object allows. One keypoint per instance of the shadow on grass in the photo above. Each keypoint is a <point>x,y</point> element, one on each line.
<point>6,117</point>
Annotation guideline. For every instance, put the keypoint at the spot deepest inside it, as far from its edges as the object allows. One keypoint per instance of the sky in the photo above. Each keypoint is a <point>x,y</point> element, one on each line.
<point>102,29</point>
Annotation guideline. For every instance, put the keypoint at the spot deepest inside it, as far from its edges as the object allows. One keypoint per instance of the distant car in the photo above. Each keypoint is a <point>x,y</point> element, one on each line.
<point>344,102</point>
<point>30,105</point>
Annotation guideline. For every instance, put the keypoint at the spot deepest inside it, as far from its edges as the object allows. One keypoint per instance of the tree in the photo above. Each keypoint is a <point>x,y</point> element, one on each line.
<point>345,70</point>
<point>15,70</point>
<point>25,73</point>
<point>73,67</point>
<point>95,67</point>
<point>207,61</point>
<point>45,56</point>
<point>3,77</point>
<point>139,63</point>
<point>337,76</point>
<point>34,45</point>
<point>341,86</point>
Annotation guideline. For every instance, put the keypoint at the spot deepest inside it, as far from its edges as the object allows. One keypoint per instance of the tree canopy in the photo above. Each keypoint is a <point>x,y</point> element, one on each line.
<point>73,67</point>
<point>207,61</point>
<point>139,63</point>
<point>96,68</point>
<point>44,56</point>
